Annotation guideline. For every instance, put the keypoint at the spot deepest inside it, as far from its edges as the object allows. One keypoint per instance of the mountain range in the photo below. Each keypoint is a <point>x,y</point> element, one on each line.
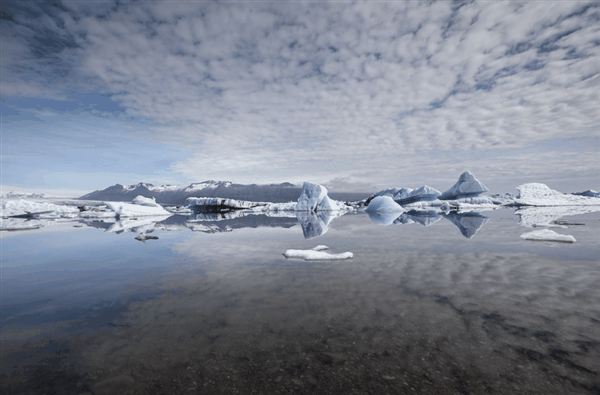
<point>177,194</point>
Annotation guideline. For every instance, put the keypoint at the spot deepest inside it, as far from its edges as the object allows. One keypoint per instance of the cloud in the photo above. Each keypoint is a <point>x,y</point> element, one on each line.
<point>274,91</point>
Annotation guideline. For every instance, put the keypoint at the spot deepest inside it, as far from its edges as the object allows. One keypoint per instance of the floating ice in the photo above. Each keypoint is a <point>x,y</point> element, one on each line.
<point>589,193</point>
<point>316,254</point>
<point>547,235</point>
<point>535,194</point>
<point>143,237</point>
<point>19,207</point>
<point>424,193</point>
<point>220,204</point>
<point>467,186</point>
<point>384,204</point>
<point>314,198</point>
<point>144,201</point>
<point>122,209</point>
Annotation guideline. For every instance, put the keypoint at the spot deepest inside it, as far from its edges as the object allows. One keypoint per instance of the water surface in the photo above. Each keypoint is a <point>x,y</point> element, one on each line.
<point>463,305</point>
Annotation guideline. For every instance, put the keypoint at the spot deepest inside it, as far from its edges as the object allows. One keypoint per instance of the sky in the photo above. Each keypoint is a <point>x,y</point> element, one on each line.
<point>357,96</point>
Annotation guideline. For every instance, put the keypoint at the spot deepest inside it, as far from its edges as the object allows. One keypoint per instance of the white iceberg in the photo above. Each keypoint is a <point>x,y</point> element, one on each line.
<point>316,254</point>
<point>547,235</point>
<point>314,198</point>
<point>466,186</point>
<point>536,194</point>
<point>19,207</point>
<point>144,201</point>
<point>122,209</point>
<point>384,204</point>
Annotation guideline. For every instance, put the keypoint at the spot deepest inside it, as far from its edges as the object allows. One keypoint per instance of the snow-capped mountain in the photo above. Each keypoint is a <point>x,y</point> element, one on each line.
<point>177,194</point>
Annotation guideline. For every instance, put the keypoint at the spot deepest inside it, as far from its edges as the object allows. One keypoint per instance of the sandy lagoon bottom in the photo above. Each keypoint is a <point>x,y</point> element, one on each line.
<point>417,310</point>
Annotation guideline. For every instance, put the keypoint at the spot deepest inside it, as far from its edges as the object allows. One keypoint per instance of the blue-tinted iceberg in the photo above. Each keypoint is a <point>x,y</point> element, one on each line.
<point>588,193</point>
<point>466,186</point>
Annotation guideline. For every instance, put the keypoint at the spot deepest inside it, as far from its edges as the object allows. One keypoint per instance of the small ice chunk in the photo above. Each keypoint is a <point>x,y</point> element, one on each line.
<point>536,194</point>
<point>547,235</point>
<point>316,255</point>
<point>143,237</point>
<point>320,248</point>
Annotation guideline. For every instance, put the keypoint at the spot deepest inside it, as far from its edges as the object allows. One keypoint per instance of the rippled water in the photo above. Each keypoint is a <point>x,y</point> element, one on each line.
<point>420,309</point>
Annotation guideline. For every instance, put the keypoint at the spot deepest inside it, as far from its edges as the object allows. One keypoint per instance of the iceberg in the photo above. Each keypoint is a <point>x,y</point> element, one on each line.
<point>144,201</point>
<point>466,186</point>
<point>11,208</point>
<point>424,193</point>
<point>548,235</point>
<point>589,193</point>
<point>536,194</point>
<point>316,254</point>
<point>122,209</point>
<point>216,204</point>
<point>314,198</point>
<point>467,223</point>
<point>384,204</point>
<point>143,237</point>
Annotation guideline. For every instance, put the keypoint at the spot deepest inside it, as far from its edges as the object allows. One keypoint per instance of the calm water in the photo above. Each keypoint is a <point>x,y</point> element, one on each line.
<point>462,306</point>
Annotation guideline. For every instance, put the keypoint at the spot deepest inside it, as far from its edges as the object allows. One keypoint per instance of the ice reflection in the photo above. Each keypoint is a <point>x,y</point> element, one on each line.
<point>313,224</point>
<point>547,216</point>
<point>468,223</point>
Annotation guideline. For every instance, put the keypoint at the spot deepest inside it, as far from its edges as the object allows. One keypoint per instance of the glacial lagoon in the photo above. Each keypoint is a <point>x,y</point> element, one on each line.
<point>439,304</point>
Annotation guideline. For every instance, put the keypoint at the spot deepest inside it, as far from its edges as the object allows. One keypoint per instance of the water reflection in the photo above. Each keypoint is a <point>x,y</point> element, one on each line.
<point>468,223</point>
<point>227,313</point>
<point>313,224</point>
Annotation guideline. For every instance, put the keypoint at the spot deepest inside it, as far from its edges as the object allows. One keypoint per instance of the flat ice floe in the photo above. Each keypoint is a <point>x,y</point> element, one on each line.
<point>547,235</point>
<point>535,194</point>
<point>20,207</point>
<point>122,209</point>
<point>317,254</point>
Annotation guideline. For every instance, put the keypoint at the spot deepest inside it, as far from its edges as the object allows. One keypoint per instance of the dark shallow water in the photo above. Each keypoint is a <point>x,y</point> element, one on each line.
<point>220,310</point>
